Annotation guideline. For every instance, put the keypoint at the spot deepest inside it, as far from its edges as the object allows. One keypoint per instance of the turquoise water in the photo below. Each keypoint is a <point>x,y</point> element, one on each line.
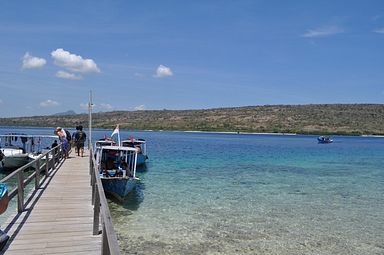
<point>254,194</point>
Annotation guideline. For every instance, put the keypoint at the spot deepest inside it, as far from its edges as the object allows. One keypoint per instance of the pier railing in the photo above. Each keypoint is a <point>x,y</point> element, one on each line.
<point>109,244</point>
<point>47,161</point>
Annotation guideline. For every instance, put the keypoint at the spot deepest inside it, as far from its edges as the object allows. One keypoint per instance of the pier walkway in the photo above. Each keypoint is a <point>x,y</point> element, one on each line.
<point>59,219</point>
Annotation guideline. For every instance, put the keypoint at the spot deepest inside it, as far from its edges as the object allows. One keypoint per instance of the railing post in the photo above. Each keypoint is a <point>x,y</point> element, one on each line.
<point>37,173</point>
<point>20,192</point>
<point>55,152</point>
<point>61,154</point>
<point>96,213</point>
<point>104,243</point>
<point>91,172</point>
<point>94,189</point>
<point>90,162</point>
<point>47,164</point>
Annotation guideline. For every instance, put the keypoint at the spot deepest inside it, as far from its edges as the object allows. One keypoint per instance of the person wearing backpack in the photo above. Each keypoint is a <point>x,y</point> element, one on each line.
<point>80,137</point>
<point>60,132</point>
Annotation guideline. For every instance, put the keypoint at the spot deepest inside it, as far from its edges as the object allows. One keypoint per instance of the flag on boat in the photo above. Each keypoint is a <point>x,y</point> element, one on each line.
<point>116,131</point>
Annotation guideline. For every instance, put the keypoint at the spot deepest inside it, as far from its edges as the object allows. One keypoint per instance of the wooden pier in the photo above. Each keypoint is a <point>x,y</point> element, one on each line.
<point>59,219</point>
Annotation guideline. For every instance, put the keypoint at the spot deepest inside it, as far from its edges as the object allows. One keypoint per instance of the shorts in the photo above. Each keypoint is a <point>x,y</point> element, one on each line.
<point>80,145</point>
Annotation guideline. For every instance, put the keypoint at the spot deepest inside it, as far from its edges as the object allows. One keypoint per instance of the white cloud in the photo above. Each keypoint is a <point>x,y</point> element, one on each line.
<point>31,62</point>
<point>98,107</point>
<point>104,106</point>
<point>323,32</point>
<point>49,103</point>
<point>84,106</point>
<point>139,107</point>
<point>379,30</point>
<point>74,63</point>
<point>163,71</point>
<point>69,76</point>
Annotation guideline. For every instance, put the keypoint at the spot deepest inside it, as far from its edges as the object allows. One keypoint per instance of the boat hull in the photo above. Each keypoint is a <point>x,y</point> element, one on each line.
<point>325,141</point>
<point>141,158</point>
<point>118,186</point>
<point>15,161</point>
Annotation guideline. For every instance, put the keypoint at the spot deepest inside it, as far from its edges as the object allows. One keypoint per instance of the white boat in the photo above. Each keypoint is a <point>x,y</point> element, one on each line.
<point>13,157</point>
<point>324,139</point>
<point>117,169</point>
<point>141,147</point>
<point>17,150</point>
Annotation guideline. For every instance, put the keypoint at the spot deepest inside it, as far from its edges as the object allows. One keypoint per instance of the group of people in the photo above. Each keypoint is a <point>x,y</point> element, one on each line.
<point>77,138</point>
<point>121,171</point>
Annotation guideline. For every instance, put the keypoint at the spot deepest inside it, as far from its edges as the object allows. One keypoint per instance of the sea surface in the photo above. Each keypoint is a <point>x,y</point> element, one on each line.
<point>209,193</point>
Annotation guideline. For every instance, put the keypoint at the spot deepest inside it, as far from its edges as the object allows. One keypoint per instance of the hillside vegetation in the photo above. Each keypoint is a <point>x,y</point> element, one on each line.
<point>350,119</point>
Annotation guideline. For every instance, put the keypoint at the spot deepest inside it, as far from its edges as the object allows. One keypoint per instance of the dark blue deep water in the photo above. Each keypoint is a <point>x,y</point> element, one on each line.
<point>206,193</point>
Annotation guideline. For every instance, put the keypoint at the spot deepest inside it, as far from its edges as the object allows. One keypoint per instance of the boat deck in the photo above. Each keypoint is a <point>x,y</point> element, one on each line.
<point>60,219</point>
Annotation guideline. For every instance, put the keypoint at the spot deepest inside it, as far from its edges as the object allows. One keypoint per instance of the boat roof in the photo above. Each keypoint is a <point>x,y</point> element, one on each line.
<point>30,136</point>
<point>133,140</point>
<point>105,141</point>
<point>118,148</point>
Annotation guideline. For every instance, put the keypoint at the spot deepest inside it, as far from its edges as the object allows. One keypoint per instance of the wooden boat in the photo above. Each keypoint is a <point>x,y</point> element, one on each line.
<point>13,157</point>
<point>141,146</point>
<point>17,150</point>
<point>13,149</point>
<point>117,168</point>
<point>324,139</point>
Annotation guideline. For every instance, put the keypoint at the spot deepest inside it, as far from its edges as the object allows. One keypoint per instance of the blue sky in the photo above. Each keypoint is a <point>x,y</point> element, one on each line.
<point>138,55</point>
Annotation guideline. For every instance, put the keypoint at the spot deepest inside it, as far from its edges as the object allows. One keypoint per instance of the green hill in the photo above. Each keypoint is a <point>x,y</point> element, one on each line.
<point>351,119</point>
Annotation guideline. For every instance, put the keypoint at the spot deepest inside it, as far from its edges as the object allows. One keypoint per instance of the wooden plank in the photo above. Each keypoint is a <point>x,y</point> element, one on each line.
<point>60,221</point>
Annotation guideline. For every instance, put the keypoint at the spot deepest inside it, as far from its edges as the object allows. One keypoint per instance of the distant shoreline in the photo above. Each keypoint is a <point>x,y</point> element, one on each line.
<point>238,133</point>
<point>205,132</point>
<point>317,119</point>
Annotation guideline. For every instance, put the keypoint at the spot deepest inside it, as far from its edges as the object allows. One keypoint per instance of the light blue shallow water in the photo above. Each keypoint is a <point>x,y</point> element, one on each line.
<point>254,194</point>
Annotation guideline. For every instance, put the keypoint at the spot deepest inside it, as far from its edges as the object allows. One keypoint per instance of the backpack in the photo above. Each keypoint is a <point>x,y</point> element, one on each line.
<point>80,136</point>
<point>69,137</point>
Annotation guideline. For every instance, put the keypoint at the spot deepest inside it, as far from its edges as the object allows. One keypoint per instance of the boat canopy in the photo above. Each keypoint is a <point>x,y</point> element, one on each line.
<point>129,154</point>
<point>30,136</point>
<point>133,141</point>
<point>118,148</point>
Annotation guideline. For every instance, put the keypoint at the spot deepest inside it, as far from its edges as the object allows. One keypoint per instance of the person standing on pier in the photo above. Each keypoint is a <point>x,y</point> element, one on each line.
<point>74,138</point>
<point>80,137</point>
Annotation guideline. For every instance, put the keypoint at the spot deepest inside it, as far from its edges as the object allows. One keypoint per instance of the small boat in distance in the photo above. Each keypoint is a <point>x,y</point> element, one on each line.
<point>324,139</point>
<point>117,169</point>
